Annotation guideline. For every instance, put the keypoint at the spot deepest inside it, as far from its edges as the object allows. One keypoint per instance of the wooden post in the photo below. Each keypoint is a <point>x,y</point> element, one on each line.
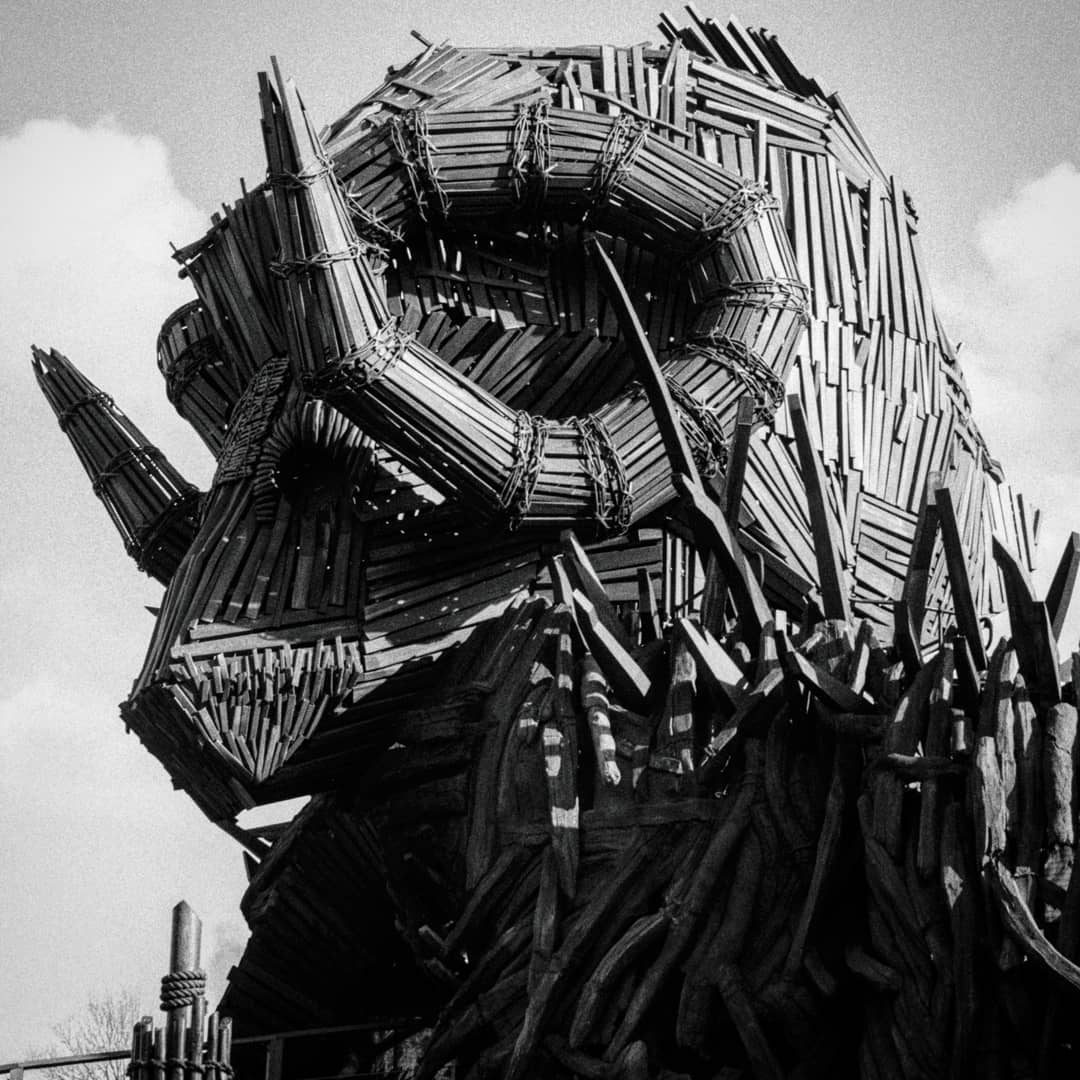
<point>834,590</point>
<point>275,1058</point>
<point>1059,595</point>
<point>183,970</point>
<point>967,619</point>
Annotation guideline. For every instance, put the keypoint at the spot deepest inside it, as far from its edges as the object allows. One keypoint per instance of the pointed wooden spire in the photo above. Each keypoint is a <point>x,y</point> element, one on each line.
<point>334,304</point>
<point>152,505</point>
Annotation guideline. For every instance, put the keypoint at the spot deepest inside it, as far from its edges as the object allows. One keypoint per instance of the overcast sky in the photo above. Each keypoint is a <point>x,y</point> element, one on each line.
<point>125,123</point>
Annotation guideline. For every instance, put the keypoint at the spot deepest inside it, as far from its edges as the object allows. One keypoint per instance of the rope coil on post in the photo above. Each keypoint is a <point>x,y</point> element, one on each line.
<point>179,989</point>
<point>416,151</point>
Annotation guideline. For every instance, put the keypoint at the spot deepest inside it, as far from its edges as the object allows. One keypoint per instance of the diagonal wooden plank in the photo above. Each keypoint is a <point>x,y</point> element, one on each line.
<point>835,595</point>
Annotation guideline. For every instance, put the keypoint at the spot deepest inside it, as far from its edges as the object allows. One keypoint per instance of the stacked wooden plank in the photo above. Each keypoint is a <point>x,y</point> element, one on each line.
<point>201,383</point>
<point>155,510</point>
<point>791,853</point>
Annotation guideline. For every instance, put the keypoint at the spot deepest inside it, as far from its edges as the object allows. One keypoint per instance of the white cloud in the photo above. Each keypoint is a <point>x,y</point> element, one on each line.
<point>1019,317</point>
<point>96,847</point>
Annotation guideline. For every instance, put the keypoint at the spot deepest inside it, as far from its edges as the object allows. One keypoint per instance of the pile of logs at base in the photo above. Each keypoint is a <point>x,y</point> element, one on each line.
<point>793,855</point>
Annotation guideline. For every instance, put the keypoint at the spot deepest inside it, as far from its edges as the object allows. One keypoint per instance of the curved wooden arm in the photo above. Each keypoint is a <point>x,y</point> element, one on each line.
<point>611,465</point>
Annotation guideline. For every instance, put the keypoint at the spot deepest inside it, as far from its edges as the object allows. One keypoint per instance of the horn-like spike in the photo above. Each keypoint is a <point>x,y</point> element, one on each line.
<point>333,301</point>
<point>152,505</point>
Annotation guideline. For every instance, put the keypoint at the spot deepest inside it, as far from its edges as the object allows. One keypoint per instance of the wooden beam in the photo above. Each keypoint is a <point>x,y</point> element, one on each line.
<point>645,362</point>
<point>967,618</point>
<point>1059,595</point>
<point>736,467</point>
<point>623,672</point>
<point>1032,632</point>
<point>910,611</point>
<point>835,595</point>
<point>722,675</point>
<point>712,533</point>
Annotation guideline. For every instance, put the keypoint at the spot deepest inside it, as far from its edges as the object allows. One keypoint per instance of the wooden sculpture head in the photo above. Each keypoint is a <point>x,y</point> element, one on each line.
<point>415,372</point>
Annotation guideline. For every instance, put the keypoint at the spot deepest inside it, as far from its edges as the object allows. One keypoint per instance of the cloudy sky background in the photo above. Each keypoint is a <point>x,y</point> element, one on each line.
<point>124,124</point>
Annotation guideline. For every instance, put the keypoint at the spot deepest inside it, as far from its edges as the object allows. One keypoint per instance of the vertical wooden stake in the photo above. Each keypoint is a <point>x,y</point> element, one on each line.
<point>834,591</point>
<point>967,618</point>
<point>1059,596</point>
<point>183,958</point>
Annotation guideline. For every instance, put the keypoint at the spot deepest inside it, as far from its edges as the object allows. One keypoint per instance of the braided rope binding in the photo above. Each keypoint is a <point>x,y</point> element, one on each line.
<point>617,156</point>
<point>749,203</point>
<point>416,151</point>
<point>613,501</point>
<point>530,442</point>
<point>179,989</point>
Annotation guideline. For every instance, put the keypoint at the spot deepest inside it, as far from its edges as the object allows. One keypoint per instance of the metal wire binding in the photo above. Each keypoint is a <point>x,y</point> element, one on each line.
<point>530,154</point>
<point>530,441</point>
<point>624,141</point>
<point>749,203</point>
<point>414,147</point>
<point>613,500</point>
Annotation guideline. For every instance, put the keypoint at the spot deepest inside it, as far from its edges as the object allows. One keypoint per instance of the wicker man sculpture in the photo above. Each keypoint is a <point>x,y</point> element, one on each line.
<point>571,406</point>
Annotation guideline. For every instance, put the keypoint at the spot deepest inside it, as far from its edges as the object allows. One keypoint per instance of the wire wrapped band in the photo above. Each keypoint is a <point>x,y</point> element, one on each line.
<point>769,294</point>
<point>621,147</point>
<point>361,366</point>
<point>189,365</point>
<point>144,543</point>
<point>318,170</point>
<point>747,366</point>
<point>98,397</point>
<point>320,260</point>
<point>369,225</point>
<point>613,501</point>
<point>530,156</point>
<point>414,147</point>
<point>747,204</point>
<point>180,989</point>
<point>530,441</point>
<point>702,428</point>
<point>131,455</point>
<point>251,420</point>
